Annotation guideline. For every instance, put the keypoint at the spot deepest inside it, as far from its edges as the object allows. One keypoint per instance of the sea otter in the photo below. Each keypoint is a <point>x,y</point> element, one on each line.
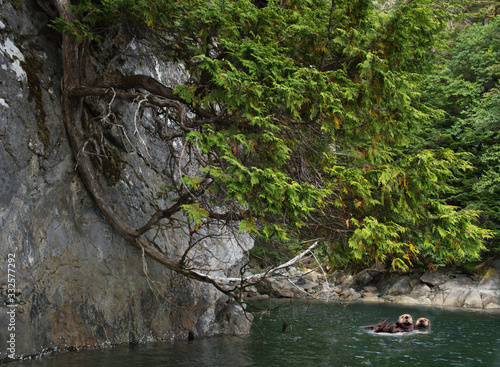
<point>380,327</point>
<point>377,328</point>
<point>405,323</point>
<point>422,323</point>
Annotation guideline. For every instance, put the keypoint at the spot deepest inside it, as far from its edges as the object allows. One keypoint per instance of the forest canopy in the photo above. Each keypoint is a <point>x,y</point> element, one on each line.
<point>465,86</point>
<point>303,120</point>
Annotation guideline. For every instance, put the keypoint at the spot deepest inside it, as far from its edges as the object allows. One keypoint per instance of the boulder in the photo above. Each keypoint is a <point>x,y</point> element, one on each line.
<point>371,289</point>
<point>435,278</point>
<point>265,286</point>
<point>363,278</point>
<point>421,290</point>
<point>311,287</point>
<point>491,279</point>
<point>338,277</point>
<point>284,288</point>
<point>473,300</point>
<point>457,283</point>
<point>489,296</point>
<point>348,281</point>
<point>455,297</point>
<point>355,296</point>
<point>406,300</point>
<point>437,299</point>
<point>226,318</point>
<point>492,306</point>
<point>400,287</point>
<point>345,293</point>
<point>312,277</point>
<point>366,295</point>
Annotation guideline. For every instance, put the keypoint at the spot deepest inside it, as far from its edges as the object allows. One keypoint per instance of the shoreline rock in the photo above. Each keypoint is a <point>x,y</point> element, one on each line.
<point>440,288</point>
<point>68,280</point>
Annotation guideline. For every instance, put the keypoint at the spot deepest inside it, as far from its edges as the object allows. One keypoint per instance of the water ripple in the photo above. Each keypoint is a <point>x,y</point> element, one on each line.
<point>320,334</point>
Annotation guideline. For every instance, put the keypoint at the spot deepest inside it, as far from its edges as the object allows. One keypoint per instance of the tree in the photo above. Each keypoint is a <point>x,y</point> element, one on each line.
<point>296,120</point>
<point>466,89</point>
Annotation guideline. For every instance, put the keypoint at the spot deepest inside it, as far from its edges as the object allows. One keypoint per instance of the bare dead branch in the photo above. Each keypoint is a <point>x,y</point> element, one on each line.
<point>256,278</point>
<point>79,83</point>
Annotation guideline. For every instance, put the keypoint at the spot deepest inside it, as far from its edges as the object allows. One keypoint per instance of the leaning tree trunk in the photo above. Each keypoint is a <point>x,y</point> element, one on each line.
<point>77,75</point>
<point>79,81</point>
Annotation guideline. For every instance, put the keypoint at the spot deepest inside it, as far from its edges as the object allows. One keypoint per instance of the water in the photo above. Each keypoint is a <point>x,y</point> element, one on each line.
<point>318,334</point>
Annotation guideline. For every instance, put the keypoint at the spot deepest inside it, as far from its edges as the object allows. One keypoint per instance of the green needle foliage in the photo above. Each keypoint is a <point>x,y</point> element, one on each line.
<point>307,114</point>
<point>466,89</point>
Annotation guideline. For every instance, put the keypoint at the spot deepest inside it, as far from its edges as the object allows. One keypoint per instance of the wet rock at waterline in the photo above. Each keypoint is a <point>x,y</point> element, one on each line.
<point>76,283</point>
<point>446,287</point>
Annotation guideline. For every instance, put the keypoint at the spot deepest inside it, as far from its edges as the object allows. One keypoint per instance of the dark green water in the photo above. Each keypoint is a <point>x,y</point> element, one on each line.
<point>319,334</point>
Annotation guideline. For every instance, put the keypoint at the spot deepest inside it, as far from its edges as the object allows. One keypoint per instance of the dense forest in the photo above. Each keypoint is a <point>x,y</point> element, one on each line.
<point>464,86</point>
<point>370,128</point>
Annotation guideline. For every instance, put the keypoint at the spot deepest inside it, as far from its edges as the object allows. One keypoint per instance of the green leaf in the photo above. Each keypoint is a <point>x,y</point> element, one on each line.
<point>195,212</point>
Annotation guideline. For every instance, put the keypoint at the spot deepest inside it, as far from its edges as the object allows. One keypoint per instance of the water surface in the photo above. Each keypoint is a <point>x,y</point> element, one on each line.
<point>319,334</point>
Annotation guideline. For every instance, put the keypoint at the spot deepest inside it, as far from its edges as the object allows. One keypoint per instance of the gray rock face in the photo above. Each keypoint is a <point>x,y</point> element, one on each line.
<point>400,287</point>
<point>76,283</point>
<point>435,278</point>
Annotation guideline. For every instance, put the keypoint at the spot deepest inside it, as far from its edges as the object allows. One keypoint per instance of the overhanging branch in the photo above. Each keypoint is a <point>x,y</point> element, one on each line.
<point>76,85</point>
<point>256,278</point>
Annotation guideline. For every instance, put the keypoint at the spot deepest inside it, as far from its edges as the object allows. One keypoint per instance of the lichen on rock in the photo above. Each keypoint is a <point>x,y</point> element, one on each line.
<point>78,283</point>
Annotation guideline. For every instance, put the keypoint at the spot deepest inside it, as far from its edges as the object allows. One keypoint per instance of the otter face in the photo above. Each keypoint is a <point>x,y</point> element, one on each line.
<point>405,319</point>
<point>423,323</point>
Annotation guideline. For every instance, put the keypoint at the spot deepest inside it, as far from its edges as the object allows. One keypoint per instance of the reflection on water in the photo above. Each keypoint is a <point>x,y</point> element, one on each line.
<point>319,334</point>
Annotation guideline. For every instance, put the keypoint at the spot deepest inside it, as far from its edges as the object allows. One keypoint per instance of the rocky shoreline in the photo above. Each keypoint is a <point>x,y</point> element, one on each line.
<point>441,288</point>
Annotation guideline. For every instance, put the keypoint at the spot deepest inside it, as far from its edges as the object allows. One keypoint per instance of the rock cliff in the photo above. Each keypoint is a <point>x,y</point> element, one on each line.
<point>68,280</point>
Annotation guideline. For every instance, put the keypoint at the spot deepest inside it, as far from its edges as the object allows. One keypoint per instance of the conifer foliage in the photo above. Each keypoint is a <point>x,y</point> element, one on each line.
<point>303,115</point>
<point>465,86</point>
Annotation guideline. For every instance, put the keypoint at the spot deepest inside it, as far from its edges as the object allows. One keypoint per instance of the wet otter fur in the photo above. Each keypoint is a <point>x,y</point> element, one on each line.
<point>422,323</point>
<point>405,323</point>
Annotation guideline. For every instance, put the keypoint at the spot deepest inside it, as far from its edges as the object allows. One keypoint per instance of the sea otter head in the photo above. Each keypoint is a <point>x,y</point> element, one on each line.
<point>405,319</point>
<point>422,323</point>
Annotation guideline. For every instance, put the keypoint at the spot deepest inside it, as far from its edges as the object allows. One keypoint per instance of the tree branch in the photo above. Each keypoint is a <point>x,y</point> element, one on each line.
<point>166,213</point>
<point>153,86</point>
<point>256,278</point>
<point>78,83</point>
